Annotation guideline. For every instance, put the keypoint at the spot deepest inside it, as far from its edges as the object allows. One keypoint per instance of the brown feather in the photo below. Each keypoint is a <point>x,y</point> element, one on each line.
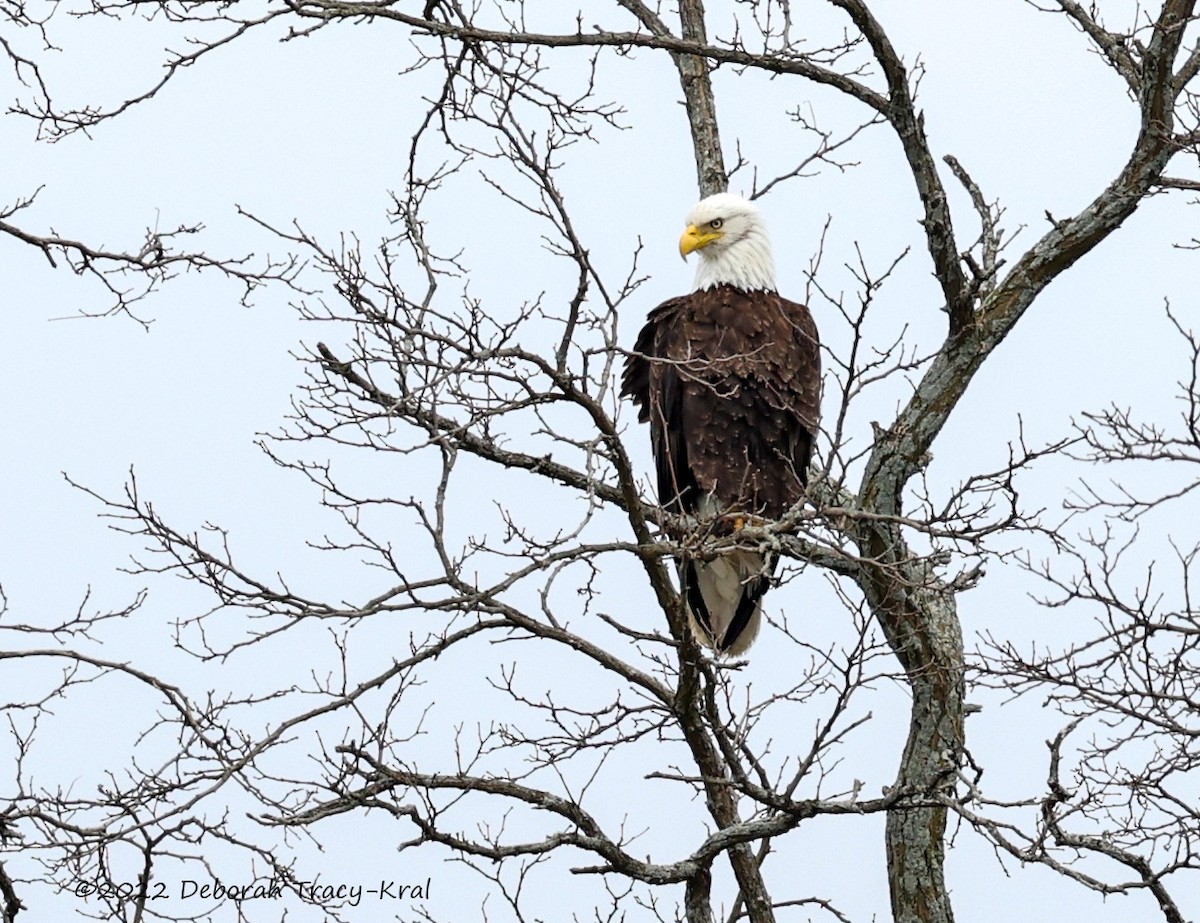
<point>730,383</point>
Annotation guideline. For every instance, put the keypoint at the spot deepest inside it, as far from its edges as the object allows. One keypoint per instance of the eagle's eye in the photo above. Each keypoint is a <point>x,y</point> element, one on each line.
<point>716,223</point>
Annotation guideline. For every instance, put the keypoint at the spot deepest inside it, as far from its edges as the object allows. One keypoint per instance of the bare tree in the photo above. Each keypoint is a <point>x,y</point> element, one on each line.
<point>470,593</point>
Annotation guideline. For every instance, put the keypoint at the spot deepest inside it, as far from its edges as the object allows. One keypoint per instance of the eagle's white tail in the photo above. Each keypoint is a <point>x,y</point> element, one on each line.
<point>724,598</point>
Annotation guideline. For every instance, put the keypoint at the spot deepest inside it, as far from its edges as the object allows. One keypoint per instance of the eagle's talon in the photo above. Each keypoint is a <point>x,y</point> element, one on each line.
<point>736,522</point>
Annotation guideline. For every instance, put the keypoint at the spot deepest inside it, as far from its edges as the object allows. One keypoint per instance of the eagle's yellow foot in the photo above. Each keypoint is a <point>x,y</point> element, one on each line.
<point>735,522</point>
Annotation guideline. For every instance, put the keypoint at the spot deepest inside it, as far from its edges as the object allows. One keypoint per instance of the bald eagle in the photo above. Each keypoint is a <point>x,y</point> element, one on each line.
<point>729,379</point>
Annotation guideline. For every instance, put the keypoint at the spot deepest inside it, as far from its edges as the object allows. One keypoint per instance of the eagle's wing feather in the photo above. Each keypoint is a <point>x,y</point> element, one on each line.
<point>730,383</point>
<point>751,374</point>
<point>658,389</point>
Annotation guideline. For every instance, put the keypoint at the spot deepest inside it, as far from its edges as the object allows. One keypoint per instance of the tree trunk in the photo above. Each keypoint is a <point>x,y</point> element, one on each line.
<point>920,619</point>
<point>916,850</point>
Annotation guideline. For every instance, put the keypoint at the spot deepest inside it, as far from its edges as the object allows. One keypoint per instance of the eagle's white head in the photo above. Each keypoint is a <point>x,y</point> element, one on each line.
<point>732,239</point>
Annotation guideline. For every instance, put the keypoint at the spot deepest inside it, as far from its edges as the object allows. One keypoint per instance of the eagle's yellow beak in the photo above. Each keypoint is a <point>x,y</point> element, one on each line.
<point>694,238</point>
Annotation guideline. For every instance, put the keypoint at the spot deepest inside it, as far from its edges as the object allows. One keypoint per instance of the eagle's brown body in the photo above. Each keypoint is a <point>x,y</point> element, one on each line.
<point>730,383</point>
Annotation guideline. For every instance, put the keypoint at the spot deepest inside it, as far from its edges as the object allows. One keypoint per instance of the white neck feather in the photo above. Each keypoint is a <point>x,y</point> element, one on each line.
<point>746,264</point>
